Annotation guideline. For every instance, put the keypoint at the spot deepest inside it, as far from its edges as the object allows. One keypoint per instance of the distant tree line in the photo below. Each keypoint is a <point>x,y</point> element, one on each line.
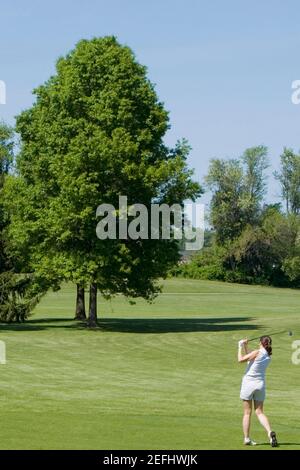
<point>250,241</point>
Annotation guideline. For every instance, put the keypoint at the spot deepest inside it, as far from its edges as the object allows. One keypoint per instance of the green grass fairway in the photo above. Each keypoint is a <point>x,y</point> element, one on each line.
<point>161,376</point>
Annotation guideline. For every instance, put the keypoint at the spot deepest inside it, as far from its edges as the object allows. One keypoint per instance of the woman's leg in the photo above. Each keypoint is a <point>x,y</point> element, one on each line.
<point>247,417</point>
<point>259,410</point>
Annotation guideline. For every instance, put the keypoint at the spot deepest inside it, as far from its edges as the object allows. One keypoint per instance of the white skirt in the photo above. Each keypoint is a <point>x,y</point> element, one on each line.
<point>253,389</point>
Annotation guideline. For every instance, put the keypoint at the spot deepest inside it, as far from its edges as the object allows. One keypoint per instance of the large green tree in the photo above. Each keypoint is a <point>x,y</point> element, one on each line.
<point>94,133</point>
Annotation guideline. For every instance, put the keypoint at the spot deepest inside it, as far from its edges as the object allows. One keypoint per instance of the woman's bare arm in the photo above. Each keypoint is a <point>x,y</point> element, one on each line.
<point>248,357</point>
<point>243,352</point>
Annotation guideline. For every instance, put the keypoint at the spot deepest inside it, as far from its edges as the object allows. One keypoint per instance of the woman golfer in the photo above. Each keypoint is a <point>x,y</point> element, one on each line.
<point>253,386</point>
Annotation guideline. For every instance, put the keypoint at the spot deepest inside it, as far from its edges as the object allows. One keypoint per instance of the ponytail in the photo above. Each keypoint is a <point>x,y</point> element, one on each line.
<point>266,342</point>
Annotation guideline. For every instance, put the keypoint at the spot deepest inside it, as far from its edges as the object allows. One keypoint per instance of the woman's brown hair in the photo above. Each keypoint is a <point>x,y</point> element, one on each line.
<point>266,342</point>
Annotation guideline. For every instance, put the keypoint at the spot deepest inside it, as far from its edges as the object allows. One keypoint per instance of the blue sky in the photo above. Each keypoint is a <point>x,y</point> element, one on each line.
<point>223,68</point>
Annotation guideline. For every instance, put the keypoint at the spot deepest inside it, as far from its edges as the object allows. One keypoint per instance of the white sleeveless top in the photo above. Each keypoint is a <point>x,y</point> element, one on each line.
<point>257,367</point>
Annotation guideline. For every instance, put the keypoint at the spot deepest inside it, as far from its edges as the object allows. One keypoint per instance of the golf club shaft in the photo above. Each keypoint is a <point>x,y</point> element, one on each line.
<point>271,334</point>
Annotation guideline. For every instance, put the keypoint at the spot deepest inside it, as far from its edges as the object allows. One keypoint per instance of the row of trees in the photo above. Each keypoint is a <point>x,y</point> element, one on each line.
<point>95,132</point>
<point>251,241</point>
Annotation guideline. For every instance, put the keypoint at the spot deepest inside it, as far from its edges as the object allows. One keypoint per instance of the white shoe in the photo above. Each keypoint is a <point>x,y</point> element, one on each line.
<point>249,442</point>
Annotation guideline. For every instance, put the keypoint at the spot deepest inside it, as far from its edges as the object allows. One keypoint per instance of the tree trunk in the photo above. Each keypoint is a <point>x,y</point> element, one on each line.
<point>80,304</point>
<point>92,321</point>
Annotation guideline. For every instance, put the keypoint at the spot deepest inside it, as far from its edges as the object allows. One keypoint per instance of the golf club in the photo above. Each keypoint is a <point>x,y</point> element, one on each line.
<point>289,332</point>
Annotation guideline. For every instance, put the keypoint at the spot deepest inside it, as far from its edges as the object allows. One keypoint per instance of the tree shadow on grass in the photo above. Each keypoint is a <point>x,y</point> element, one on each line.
<point>174,325</point>
<point>139,325</point>
<point>43,324</point>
